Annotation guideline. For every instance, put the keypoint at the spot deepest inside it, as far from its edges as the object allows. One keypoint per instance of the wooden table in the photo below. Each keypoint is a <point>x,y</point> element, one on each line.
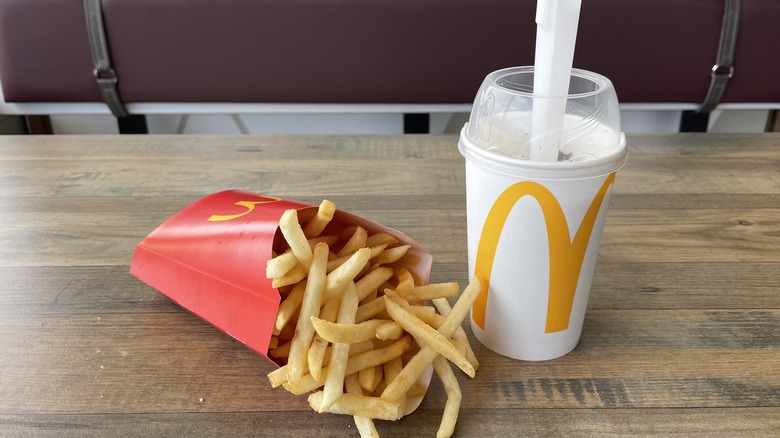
<point>682,335</point>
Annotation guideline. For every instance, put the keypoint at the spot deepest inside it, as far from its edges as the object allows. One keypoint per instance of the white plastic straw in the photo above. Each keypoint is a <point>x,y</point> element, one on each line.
<point>556,33</point>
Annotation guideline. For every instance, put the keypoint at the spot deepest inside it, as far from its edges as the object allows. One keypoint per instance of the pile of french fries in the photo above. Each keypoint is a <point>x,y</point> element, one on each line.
<point>353,325</point>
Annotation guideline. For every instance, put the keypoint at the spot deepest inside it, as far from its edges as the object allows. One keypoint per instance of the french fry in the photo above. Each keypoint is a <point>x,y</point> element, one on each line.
<point>368,379</point>
<point>377,249</point>
<point>370,309</point>
<point>379,373</point>
<point>293,234</point>
<point>359,405</point>
<point>304,330</point>
<point>336,261</point>
<point>405,282</point>
<point>425,313</point>
<point>281,351</point>
<point>372,281</point>
<point>444,308</point>
<point>454,397</point>
<point>289,306</point>
<point>330,310</point>
<point>371,296</point>
<point>462,345</point>
<point>354,364</point>
<point>422,331</point>
<point>330,240</point>
<point>280,265</point>
<point>390,255</point>
<point>357,241</point>
<point>337,280</point>
<point>294,275</point>
<point>379,356</point>
<point>393,295</point>
<point>279,376</point>
<point>415,367</point>
<point>315,357</point>
<point>381,238</point>
<point>347,333</point>
<point>389,330</point>
<point>354,349</point>
<point>391,370</point>
<point>431,291</point>
<point>348,318</point>
<point>317,224</point>
<point>334,381</point>
<point>365,425</point>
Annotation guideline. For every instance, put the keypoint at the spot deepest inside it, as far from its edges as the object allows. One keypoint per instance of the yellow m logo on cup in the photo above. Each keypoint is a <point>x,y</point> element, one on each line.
<point>566,255</point>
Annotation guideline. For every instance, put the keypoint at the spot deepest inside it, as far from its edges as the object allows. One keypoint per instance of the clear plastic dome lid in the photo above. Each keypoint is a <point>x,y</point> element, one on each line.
<point>500,119</point>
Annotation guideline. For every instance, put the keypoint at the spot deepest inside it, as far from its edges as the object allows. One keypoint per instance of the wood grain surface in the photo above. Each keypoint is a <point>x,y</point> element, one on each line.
<point>681,338</point>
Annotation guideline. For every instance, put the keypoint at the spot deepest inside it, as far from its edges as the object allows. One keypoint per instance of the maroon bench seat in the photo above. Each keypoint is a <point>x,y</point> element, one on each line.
<point>371,51</point>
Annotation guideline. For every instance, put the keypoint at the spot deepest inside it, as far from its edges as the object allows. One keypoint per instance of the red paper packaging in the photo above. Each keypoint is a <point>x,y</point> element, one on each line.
<point>210,258</point>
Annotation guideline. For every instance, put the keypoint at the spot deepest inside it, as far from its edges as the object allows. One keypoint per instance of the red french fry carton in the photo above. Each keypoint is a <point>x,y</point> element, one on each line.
<point>211,256</point>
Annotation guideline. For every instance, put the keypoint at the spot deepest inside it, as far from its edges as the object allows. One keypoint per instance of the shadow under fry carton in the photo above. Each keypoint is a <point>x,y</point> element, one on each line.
<point>210,258</point>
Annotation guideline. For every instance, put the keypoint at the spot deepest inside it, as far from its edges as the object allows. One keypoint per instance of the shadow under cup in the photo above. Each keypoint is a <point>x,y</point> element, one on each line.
<point>534,227</point>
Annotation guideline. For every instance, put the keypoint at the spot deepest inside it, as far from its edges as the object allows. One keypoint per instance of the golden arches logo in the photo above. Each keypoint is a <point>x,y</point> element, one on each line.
<point>249,205</point>
<point>566,255</point>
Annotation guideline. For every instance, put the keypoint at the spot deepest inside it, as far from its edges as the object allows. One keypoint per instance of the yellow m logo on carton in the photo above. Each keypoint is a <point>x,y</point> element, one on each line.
<point>249,205</point>
<point>566,255</point>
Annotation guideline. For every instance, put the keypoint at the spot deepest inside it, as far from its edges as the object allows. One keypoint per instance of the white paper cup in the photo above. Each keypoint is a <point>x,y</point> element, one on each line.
<point>534,230</point>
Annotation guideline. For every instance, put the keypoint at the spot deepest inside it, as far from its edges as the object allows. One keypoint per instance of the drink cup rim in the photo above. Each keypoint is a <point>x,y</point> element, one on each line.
<point>603,83</point>
<point>543,170</point>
